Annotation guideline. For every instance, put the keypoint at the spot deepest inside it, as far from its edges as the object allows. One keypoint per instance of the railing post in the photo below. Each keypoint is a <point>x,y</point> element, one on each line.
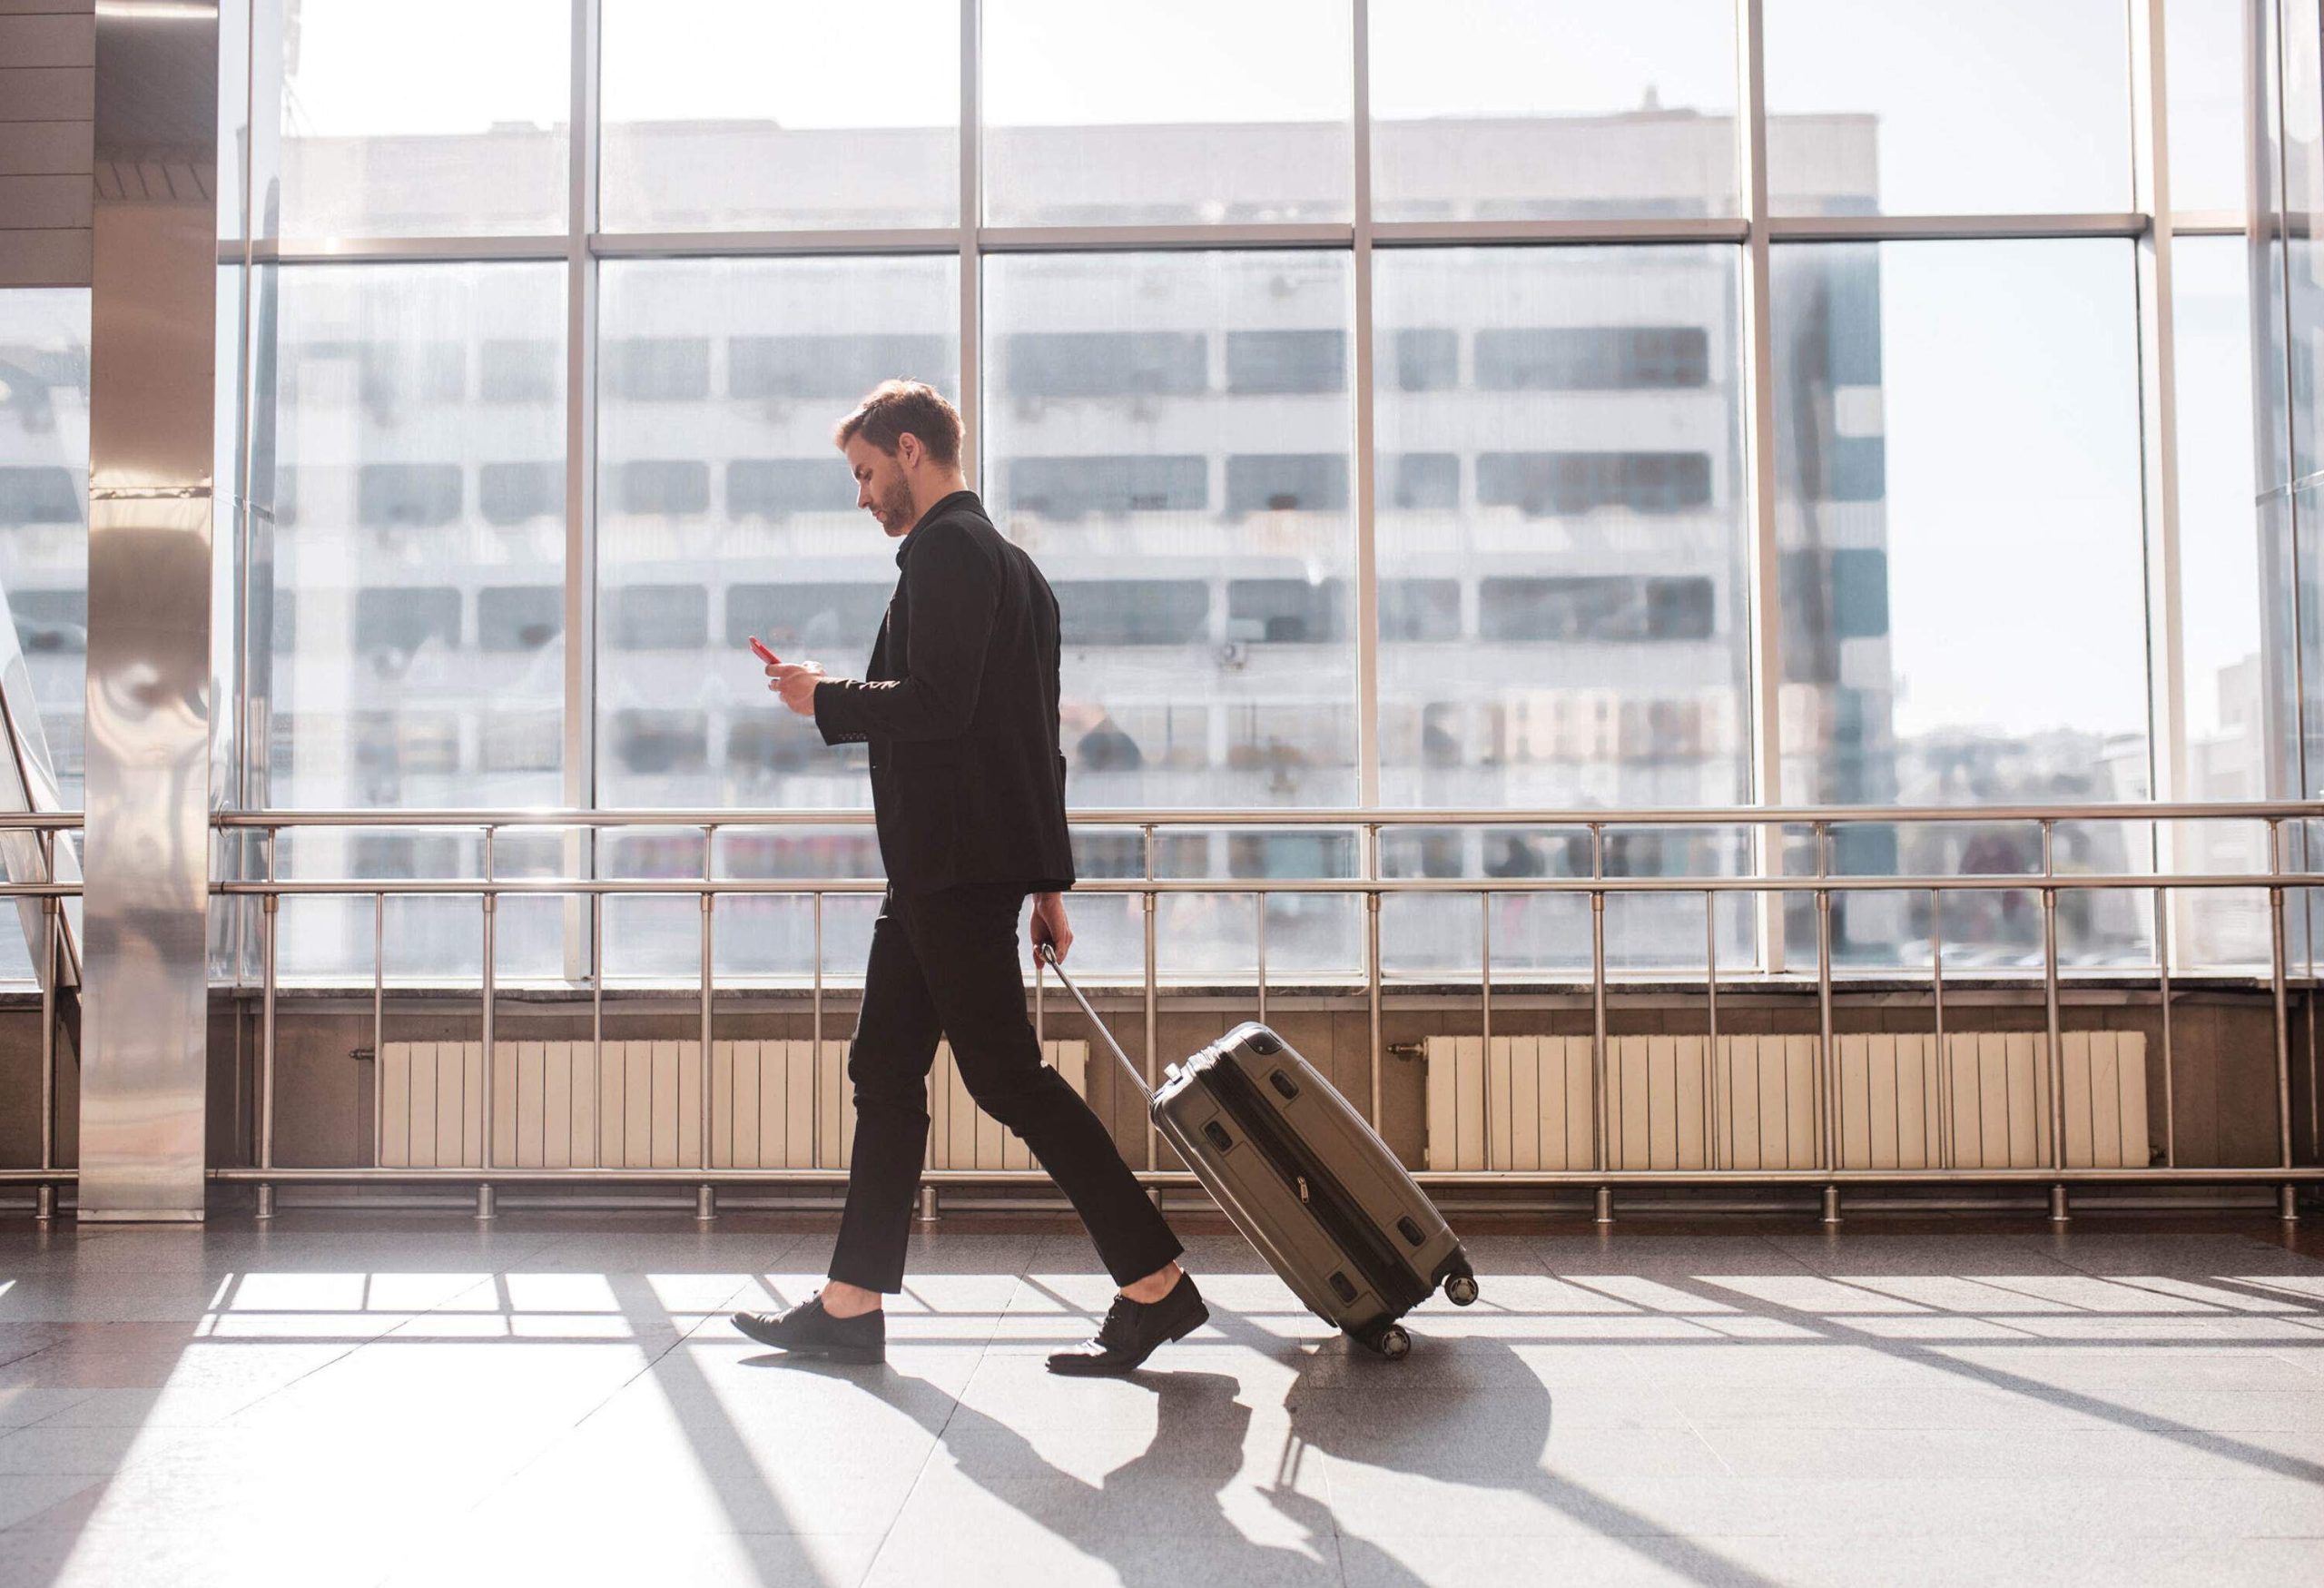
<point>378,1021</point>
<point>2051,1023</point>
<point>1153,1010</point>
<point>1261,896</point>
<point>1710,1046</point>
<point>1485,972</point>
<point>1827,1069</point>
<point>270,907</point>
<point>2278,955</point>
<point>1937,999</point>
<point>1371,974</point>
<point>2170,1086</point>
<point>705,1204</point>
<point>598,1013</point>
<point>815,1038</point>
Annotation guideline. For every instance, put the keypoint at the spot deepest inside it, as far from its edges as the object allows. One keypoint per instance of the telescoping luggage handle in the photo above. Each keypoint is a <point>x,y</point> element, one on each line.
<point>1046,955</point>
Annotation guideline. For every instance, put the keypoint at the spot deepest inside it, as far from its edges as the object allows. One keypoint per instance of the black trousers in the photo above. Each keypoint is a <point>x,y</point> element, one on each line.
<point>946,964</point>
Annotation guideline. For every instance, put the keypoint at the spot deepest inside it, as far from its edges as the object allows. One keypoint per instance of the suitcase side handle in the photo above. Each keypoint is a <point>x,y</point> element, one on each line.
<point>1046,955</point>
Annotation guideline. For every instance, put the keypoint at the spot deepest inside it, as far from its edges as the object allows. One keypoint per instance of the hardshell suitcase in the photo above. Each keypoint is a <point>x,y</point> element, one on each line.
<point>1301,1173</point>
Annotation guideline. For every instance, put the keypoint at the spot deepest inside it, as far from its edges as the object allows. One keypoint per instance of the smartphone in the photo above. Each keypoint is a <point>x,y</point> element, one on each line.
<point>765,655</point>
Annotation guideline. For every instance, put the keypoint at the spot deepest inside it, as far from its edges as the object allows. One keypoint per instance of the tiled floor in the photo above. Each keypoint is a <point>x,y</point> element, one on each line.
<point>394,1398</point>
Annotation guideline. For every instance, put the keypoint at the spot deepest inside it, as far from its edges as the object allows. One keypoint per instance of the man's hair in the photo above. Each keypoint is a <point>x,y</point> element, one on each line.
<point>898,408</point>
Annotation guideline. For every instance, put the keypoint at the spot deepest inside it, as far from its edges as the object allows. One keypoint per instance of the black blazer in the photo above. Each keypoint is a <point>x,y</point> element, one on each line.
<point>968,784</point>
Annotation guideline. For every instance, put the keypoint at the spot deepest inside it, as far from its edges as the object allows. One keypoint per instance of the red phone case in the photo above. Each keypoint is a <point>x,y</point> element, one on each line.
<point>765,655</point>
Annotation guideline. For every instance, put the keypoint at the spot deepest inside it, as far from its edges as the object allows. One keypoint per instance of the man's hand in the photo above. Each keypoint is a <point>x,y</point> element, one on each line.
<point>795,683</point>
<point>1049,925</point>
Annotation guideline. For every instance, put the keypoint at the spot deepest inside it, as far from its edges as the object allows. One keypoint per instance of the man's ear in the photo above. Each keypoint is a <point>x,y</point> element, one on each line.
<point>908,450</point>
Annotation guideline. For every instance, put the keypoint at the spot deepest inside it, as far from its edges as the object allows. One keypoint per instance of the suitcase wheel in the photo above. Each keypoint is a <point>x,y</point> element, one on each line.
<point>1391,1342</point>
<point>1461,1290</point>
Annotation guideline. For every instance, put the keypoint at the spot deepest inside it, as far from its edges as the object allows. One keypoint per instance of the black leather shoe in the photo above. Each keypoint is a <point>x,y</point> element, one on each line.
<point>1132,1330</point>
<point>807,1330</point>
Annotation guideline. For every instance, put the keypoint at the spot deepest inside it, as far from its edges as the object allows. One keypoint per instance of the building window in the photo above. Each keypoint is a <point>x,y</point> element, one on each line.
<point>50,621</point>
<point>1562,484</point>
<point>1428,358</point>
<point>658,741</point>
<point>510,370</point>
<point>1074,487</point>
<point>1419,609</point>
<point>673,487</point>
<point>1602,609</point>
<point>1278,362</point>
<point>1133,612</point>
<point>644,369</point>
<point>509,494</point>
<point>1106,363</point>
<point>520,741</point>
<point>658,617</point>
<point>39,495</point>
<point>1311,482</point>
<point>1426,482</point>
<point>776,487</point>
<point>1593,358</point>
<point>830,368</point>
<point>520,617</point>
<point>407,496</point>
<point>1286,611</point>
<point>807,617</point>
<point>395,619</point>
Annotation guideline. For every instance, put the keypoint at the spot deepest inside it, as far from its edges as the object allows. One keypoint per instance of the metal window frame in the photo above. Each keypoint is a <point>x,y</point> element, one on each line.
<point>582,247</point>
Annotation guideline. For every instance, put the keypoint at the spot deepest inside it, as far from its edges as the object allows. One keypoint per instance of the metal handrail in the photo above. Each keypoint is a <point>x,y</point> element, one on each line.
<point>1336,816</point>
<point>1368,825</point>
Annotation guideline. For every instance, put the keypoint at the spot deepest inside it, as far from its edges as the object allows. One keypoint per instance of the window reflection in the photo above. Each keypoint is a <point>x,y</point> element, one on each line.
<point>1168,435</point>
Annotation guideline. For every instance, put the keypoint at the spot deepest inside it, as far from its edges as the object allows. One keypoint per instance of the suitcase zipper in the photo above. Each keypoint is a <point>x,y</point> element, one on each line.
<point>1319,1190</point>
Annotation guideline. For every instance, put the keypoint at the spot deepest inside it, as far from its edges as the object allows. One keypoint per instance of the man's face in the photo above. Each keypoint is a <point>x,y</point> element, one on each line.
<point>880,488</point>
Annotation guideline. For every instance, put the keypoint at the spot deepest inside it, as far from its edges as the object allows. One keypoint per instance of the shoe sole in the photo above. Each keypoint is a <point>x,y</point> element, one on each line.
<point>860,1356</point>
<point>1201,1317</point>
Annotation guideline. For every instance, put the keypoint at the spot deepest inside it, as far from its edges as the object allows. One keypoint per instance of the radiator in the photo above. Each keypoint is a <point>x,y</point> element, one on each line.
<point>639,1106</point>
<point>1525,1103</point>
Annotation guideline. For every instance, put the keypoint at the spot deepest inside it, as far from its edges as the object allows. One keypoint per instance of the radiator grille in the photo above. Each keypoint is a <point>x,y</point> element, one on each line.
<point>638,1105</point>
<point>1525,1103</point>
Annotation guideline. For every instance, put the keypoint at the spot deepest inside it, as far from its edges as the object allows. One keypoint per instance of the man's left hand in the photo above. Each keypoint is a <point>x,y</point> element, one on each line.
<point>795,683</point>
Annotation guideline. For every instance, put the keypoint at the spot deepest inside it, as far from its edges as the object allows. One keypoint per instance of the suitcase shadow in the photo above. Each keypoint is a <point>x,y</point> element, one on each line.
<point>1478,1419</point>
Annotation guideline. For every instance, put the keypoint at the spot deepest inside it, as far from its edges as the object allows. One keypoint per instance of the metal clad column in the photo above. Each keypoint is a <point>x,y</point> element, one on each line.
<point>152,400</point>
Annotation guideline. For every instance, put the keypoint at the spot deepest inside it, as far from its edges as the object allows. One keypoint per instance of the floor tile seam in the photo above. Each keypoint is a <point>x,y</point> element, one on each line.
<point>928,1460</point>
<point>82,1398</point>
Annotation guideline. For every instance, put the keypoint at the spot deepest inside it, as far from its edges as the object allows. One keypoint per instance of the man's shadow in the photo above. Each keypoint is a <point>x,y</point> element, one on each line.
<point>1148,1518</point>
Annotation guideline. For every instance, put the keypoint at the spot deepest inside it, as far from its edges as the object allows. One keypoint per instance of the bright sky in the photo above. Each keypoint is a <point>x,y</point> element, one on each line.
<point>2010,374</point>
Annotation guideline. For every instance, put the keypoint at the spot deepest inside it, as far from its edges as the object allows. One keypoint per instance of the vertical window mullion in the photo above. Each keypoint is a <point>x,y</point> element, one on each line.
<point>1764,594</point>
<point>1367,572</point>
<point>580,581</point>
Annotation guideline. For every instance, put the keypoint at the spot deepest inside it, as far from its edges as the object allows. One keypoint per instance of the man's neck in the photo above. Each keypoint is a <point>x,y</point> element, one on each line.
<point>952,485</point>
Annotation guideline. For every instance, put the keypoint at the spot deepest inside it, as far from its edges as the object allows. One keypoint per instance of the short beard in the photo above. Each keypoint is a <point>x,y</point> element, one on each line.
<point>896,503</point>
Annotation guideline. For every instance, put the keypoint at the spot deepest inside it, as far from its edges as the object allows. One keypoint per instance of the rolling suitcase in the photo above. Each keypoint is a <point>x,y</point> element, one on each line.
<point>1301,1173</point>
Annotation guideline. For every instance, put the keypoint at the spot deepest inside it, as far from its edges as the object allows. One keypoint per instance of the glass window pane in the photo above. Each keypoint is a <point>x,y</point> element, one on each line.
<point>1974,107</point>
<point>1208,586</point>
<point>739,115</point>
<point>1166,112</point>
<point>1959,522</point>
<point>409,608</point>
<point>2219,592</point>
<point>427,118</point>
<point>2203,65</point>
<point>1561,529</point>
<point>724,511</point>
<point>43,508</point>
<point>1492,110</point>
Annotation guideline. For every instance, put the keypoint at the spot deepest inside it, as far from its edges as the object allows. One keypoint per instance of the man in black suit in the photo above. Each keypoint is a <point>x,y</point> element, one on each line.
<point>967,791</point>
